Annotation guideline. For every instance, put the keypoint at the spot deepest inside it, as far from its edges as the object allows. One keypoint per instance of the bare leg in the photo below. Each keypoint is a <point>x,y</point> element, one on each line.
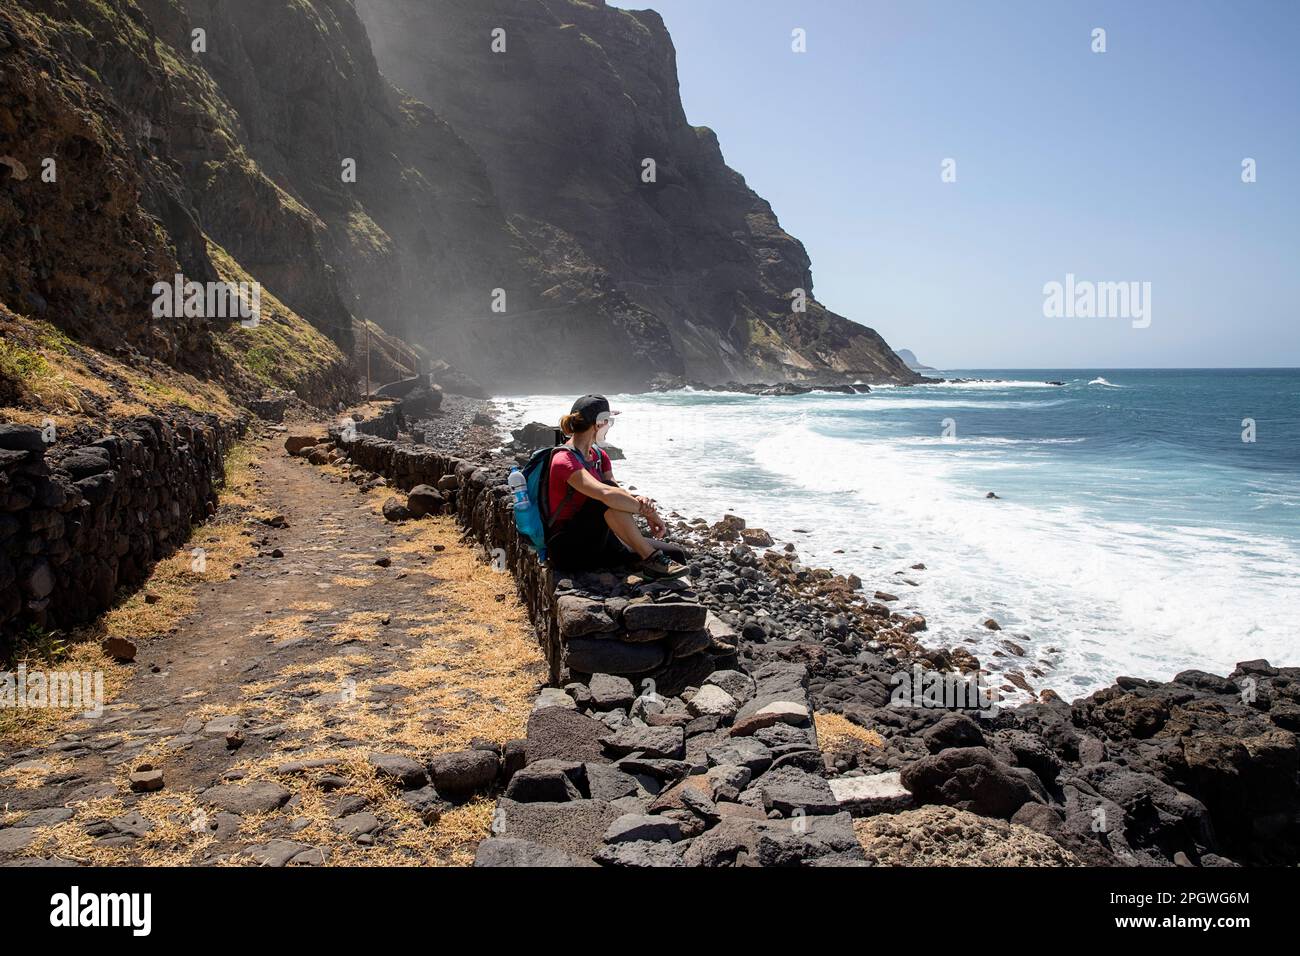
<point>625,528</point>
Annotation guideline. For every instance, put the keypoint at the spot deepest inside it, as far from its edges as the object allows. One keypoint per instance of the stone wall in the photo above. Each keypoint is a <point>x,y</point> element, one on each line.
<point>89,513</point>
<point>386,424</point>
<point>608,623</point>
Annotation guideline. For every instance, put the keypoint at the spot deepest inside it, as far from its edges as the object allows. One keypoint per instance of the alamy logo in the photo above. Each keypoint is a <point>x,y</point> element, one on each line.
<point>1084,299</point>
<point>937,690</point>
<point>208,300</point>
<point>74,909</point>
<point>53,690</point>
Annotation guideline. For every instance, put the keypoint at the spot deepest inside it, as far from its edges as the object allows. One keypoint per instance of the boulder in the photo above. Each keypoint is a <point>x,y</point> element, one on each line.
<point>577,827</point>
<point>557,733</point>
<point>394,510</point>
<point>711,700</point>
<point>594,656</point>
<point>86,461</point>
<point>297,443</point>
<point>464,772</point>
<point>788,790</point>
<point>579,616</point>
<point>508,851</point>
<point>403,770</point>
<point>21,438</point>
<point>535,435</point>
<point>424,500</point>
<point>739,686</point>
<point>609,692</point>
<point>723,638</point>
<point>641,854</point>
<point>635,827</point>
<point>608,782</point>
<point>550,781</point>
<point>953,730</point>
<point>688,643</point>
<point>120,649</point>
<point>146,779</point>
<point>738,841</point>
<point>684,795</point>
<point>554,697</point>
<point>278,853</point>
<point>643,614</point>
<point>875,793</point>
<point>663,742</point>
<point>726,782</point>
<point>426,803</point>
<point>742,752</point>
<point>969,778</point>
<point>259,796</point>
<point>757,714</point>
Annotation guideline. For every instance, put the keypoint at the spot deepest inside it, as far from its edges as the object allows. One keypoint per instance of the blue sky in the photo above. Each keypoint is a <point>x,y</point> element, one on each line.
<point>1118,166</point>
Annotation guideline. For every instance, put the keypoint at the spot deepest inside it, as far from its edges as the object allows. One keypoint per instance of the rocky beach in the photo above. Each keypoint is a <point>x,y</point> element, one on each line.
<point>1200,770</point>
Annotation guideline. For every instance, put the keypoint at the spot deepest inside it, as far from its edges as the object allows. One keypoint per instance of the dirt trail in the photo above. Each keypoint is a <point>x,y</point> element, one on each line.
<point>341,635</point>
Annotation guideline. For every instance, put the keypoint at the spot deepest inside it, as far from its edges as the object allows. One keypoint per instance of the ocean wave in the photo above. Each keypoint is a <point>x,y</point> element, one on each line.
<point>1101,381</point>
<point>1084,559</point>
<point>1066,575</point>
<point>991,385</point>
<point>890,403</point>
<point>987,440</point>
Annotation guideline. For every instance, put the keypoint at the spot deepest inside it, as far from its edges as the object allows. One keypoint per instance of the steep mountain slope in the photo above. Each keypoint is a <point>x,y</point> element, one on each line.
<point>565,118</point>
<point>98,203</point>
<point>214,139</point>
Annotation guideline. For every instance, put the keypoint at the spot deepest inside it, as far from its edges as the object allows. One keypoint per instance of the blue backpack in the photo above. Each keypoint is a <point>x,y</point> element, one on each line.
<point>534,521</point>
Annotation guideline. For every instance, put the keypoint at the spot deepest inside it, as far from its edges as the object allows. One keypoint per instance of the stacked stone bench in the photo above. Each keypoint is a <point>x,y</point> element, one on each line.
<point>654,632</point>
<point>727,773</point>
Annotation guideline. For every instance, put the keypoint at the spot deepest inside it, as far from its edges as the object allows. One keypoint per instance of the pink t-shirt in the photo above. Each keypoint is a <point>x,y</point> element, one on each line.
<point>564,464</point>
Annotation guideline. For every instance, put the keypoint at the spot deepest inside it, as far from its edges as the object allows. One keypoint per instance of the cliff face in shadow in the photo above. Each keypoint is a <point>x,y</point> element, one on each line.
<point>497,217</point>
<point>564,120</point>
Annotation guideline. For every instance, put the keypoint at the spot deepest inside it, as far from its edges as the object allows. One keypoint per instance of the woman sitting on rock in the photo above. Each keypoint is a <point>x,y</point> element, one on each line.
<point>593,522</point>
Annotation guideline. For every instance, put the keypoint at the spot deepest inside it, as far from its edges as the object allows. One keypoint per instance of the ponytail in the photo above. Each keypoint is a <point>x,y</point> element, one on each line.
<point>572,423</point>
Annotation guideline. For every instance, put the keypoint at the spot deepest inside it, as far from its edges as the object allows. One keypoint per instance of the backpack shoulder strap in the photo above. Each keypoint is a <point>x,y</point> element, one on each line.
<point>549,517</point>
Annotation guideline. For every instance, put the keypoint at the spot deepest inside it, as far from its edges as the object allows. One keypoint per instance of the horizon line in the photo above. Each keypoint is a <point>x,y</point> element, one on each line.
<point>1114,368</point>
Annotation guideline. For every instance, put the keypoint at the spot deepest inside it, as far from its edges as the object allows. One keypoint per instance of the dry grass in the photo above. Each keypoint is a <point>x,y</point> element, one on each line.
<point>24,728</point>
<point>31,774</point>
<point>360,627</point>
<point>311,606</point>
<point>50,375</point>
<point>837,733</point>
<point>173,840</point>
<point>174,581</point>
<point>345,581</point>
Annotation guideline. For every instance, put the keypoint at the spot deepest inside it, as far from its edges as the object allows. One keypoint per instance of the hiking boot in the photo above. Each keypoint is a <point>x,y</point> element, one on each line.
<point>659,565</point>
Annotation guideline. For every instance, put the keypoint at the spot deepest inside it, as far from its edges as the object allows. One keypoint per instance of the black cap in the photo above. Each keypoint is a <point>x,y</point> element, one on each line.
<point>590,407</point>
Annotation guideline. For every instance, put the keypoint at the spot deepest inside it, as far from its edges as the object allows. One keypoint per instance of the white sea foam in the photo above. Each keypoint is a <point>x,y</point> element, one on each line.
<point>1088,592</point>
<point>991,385</point>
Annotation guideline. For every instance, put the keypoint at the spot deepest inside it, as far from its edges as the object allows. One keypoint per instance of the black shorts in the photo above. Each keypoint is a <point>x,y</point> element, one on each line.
<point>585,543</point>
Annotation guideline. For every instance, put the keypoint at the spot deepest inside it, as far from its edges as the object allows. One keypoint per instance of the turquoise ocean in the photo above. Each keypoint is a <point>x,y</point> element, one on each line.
<point>1147,521</point>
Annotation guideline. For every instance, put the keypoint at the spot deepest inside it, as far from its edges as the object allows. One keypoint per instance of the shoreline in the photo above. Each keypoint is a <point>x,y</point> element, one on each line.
<point>1184,770</point>
<point>701,536</point>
